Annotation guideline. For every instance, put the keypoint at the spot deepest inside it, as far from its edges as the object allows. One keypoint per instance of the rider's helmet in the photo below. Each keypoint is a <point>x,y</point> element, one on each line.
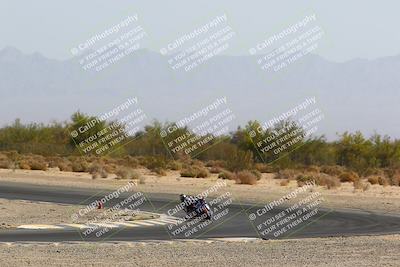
<point>182,197</point>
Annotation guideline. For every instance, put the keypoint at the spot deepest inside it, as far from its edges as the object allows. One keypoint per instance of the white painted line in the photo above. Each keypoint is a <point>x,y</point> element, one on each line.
<point>39,226</point>
<point>105,225</point>
<point>159,222</point>
<point>75,225</point>
<point>127,224</point>
<point>142,223</point>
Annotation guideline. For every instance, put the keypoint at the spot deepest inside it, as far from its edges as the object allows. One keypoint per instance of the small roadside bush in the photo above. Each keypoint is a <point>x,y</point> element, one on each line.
<point>216,169</point>
<point>174,165</point>
<point>330,182</point>
<point>5,164</point>
<point>332,170</point>
<point>127,173</point>
<point>257,174</point>
<point>160,171</point>
<point>216,164</point>
<point>349,176</point>
<point>373,180</point>
<point>288,174</point>
<point>383,181</point>
<point>227,175</point>
<point>246,177</point>
<point>80,166</point>
<point>194,171</point>
<point>37,164</point>
<point>284,182</point>
<point>65,166</point>
<point>263,168</point>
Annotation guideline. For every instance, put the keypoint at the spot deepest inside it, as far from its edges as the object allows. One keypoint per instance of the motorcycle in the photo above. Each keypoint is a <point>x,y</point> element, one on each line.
<point>198,209</point>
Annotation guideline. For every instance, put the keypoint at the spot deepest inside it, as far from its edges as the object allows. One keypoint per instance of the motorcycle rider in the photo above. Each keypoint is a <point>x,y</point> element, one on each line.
<point>191,203</point>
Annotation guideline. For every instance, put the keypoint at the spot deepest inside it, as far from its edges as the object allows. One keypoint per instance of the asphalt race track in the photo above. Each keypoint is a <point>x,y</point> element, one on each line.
<point>235,224</point>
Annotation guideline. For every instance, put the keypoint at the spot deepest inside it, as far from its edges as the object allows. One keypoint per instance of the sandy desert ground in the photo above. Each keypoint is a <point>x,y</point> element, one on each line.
<point>349,251</point>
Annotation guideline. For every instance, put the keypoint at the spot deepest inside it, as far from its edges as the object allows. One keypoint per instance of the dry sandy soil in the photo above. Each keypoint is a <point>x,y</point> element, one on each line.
<point>376,198</point>
<point>349,251</point>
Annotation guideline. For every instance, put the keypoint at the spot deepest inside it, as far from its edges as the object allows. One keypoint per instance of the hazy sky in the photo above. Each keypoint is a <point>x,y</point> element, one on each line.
<point>366,29</point>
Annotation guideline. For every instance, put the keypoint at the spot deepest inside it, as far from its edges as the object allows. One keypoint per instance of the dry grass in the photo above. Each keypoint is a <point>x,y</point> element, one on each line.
<point>246,177</point>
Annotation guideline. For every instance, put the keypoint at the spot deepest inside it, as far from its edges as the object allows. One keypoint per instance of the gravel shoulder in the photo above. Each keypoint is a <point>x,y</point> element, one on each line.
<point>349,251</point>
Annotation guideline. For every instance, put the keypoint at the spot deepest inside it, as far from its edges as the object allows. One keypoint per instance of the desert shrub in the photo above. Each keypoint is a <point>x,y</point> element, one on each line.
<point>373,180</point>
<point>65,166</point>
<point>257,174</point>
<point>80,166</point>
<point>103,174</point>
<point>37,164</point>
<point>5,164</point>
<point>373,171</point>
<point>360,185</point>
<point>303,179</point>
<point>246,177</point>
<point>286,174</point>
<point>174,165</point>
<point>227,175</point>
<point>54,161</point>
<point>241,160</point>
<point>394,180</point>
<point>127,173</point>
<point>97,170</point>
<point>319,179</point>
<point>263,168</point>
<point>332,170</point>
<point>383,181</point>
<point>155,163</point>
<point>24,165</point>
<point>160,171</point>
<point>188,172</point>
<point>348,176</point>
<point>216,164</point>
<point>130,161</point>
<point>194,171</point>
<point>142,180</point>
<point>312,168</point>
<point>216,169</point>
<point>110,168</point>
<point>284,182</point>
<point>202,172</point>
<point>332,182</point>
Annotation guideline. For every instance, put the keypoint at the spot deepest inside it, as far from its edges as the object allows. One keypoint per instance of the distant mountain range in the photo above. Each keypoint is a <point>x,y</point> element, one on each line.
<point>354,95</point>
